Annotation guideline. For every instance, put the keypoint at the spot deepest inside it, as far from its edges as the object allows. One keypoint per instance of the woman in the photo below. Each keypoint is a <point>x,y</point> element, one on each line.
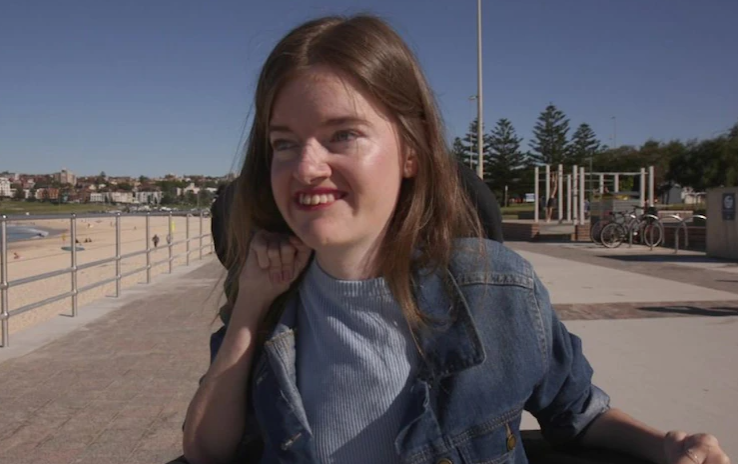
<point>362,329</point>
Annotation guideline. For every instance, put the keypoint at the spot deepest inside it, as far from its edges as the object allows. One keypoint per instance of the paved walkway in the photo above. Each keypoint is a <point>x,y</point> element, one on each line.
<point>674,372</point>
<point>116,389</point>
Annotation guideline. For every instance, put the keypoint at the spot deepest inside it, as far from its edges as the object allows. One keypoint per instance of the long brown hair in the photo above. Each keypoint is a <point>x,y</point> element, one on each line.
<point>432,208</point>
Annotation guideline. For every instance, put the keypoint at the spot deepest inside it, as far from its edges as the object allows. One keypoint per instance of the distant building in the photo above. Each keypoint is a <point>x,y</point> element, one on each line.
<point>690,197</point>
<point>189,188</point>
<point>97,197</point>
<point>121,197</point>
<point>149,198</point>
<point>5,190</point>
<point>65,177</point>
<point>47,194</point>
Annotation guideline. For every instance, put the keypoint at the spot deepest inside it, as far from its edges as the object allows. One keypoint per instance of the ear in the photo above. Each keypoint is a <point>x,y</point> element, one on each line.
<point>410,167</point>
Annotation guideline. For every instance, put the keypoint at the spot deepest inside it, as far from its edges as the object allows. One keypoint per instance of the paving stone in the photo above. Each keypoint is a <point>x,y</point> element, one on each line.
<point>117,390</point>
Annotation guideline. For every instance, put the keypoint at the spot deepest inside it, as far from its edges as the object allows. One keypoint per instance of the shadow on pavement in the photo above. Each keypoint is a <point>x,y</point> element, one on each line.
<point>692,311</point>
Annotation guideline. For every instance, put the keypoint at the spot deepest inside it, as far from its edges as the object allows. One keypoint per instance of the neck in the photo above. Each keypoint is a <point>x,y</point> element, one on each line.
<point>349,264</point>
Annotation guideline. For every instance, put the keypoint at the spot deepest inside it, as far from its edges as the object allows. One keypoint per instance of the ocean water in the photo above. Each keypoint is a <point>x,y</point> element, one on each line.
<point>16,233</point>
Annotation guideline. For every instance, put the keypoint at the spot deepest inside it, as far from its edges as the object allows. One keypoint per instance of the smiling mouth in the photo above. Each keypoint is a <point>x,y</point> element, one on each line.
<point>306,200</point>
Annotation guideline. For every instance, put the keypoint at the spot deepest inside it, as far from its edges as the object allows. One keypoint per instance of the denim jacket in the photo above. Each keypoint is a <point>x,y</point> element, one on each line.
<point>494,349</point>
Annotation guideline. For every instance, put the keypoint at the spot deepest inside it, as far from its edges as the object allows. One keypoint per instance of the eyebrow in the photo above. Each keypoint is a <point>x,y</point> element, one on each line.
<point>332,122</point>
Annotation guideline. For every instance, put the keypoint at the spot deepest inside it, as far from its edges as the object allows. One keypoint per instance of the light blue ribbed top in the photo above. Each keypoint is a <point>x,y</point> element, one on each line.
<point>355,359</point>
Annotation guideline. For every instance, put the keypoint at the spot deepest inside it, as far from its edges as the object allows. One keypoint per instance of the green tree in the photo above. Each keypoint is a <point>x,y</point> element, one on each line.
<point>470,145</point>
<point>205,197</point>
<point>190,198</point>
<point>20,194</point>
<point>459,151</point>
<point>549,142</point>
<point>659,155</point>
<point>583,146</point>
<point>170,186</point>
<point>168,198</point>
<point>706,164</point>
<point>506,160</point>
<point>125,186</point>
<point>689,169</point>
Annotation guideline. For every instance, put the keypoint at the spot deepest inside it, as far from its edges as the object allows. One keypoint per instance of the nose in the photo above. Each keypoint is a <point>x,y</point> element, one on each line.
<point>312,167</point>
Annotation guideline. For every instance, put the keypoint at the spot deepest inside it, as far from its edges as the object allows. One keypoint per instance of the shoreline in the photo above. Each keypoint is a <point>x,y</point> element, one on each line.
<point>47,232</point>
<point>50,231</point>
<point>101,242</point>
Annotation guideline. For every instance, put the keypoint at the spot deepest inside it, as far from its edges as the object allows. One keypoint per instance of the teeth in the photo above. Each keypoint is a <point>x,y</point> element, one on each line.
<point>312,200</point>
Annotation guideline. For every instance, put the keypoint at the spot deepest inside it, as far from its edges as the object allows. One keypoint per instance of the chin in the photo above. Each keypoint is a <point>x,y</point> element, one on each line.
<point>319,236</point>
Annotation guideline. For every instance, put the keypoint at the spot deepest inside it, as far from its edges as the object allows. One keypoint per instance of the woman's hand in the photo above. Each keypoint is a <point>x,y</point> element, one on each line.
<point>217,415</point>
<point>681,448</point>
<point>273,263</point>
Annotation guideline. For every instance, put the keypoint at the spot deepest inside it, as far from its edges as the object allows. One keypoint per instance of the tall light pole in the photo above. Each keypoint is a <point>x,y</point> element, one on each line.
<point>471,101</point>
<point>480,119</point>
<point>614,132</point>
<point>591,190</point>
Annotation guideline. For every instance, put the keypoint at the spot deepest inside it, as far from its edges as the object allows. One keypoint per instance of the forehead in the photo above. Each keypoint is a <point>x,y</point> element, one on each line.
<point>320,94</point>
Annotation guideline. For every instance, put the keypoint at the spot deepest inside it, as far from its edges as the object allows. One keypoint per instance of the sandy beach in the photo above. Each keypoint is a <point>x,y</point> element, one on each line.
<point>97,237</point>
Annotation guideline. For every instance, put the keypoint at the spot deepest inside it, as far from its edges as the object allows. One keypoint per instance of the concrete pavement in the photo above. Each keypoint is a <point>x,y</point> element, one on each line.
<point>670,372</point>
<point>116,389</point>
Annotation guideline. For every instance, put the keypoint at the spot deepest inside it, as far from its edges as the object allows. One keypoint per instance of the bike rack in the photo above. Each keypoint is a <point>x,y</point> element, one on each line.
<point>630,230</point>
<point>683,224</point>
<point>655,218</point>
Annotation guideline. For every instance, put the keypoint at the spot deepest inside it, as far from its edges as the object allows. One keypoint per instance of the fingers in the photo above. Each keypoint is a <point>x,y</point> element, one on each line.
<point>283,257</point>
<point>704,448</point>
<point>287,256</point>
<point>303,253</point>
<point>259,245</point>
<point>700,448</point>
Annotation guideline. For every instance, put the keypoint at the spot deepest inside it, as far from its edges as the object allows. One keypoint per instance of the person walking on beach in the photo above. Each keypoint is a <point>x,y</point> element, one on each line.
<point>155,239</point>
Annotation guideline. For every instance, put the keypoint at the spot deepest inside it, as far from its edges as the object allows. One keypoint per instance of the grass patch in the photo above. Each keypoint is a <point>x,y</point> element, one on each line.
<point>518,208</point>
<point>41,207</point>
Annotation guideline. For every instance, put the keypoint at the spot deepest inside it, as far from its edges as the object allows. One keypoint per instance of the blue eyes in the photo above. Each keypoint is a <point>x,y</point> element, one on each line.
<point>344,136</point>
<point>341,136</point>
<point>281,145</point>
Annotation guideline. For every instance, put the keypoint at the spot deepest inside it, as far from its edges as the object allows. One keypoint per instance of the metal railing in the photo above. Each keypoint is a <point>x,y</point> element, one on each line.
<point>5,284</point>
<point>683,225</point>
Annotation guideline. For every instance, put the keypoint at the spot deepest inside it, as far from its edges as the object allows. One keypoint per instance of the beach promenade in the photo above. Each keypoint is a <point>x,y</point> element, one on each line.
<point>113,385</point>
<point>100,237</point>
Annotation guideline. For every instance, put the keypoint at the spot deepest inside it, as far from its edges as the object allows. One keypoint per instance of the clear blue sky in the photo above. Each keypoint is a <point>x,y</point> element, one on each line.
<point>150,87</point>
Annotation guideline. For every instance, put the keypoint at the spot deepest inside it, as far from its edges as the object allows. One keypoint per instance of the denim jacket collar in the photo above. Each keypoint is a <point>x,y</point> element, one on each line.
<point>450,343</point>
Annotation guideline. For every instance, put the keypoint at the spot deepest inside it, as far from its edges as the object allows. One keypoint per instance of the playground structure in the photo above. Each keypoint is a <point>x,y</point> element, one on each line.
<point>576,184</point>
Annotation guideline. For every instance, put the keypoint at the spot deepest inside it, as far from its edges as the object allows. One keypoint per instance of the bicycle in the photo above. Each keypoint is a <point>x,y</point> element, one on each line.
<point>645,229</point>
<point>595,232</point>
